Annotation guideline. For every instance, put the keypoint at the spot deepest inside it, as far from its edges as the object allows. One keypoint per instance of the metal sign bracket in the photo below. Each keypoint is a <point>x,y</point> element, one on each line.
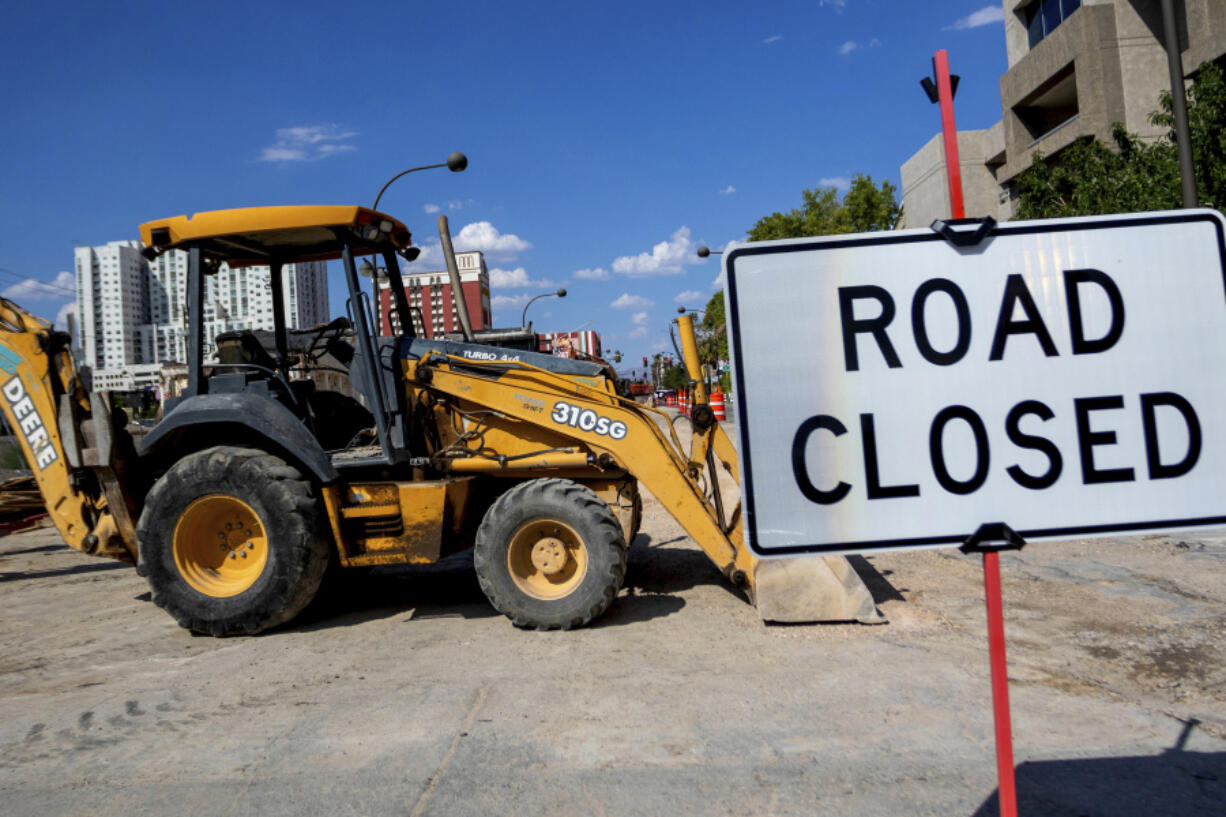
<point>948,228</point>
<point>993,537</point>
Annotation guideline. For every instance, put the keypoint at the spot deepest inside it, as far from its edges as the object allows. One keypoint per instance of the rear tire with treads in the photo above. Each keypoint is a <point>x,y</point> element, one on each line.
<point>230,541</point>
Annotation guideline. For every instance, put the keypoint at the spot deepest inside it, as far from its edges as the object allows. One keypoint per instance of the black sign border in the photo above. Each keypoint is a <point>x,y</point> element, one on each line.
<point>1008,229</point>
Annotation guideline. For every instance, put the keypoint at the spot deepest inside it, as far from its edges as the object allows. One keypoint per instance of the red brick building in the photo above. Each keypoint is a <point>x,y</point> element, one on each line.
<point>430,302</point>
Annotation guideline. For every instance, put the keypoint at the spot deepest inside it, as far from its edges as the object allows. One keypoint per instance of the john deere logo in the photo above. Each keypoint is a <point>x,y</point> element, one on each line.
<point>27,418</point>
<point>9,360</point>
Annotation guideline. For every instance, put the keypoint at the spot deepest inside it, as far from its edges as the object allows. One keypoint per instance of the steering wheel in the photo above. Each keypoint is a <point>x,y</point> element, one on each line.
<point>326,338</point>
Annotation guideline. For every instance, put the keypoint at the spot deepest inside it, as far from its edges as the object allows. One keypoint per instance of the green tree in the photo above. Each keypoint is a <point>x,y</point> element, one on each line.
<point>712,337</point>
<point>1091,178</point>
<point>865,207</point>
<point>1207,127</point>
<point>675,378</point>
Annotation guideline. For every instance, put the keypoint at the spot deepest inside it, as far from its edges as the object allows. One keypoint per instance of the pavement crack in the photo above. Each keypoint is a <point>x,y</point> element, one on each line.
<point>469,719</point>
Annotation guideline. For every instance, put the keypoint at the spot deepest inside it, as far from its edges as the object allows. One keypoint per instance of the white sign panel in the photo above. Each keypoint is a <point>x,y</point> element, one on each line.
<point>1064,377</point>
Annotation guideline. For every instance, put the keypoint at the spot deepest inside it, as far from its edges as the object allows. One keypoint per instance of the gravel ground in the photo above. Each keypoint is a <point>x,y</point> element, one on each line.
<point>404,693</point>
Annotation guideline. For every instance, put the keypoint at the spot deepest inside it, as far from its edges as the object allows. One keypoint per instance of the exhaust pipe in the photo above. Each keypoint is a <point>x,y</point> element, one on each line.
<point>453,272</point>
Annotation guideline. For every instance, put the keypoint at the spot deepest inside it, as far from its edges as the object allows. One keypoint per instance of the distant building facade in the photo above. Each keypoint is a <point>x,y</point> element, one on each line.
<point>570,344</point>
<point>430,301</point>
<point>1075,68</point>
<point>112,301</point>
<point>132,313</point>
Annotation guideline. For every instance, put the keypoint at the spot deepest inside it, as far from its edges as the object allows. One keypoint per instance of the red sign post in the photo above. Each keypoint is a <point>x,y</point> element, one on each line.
<point>990,540</point>
<point>941,91</point>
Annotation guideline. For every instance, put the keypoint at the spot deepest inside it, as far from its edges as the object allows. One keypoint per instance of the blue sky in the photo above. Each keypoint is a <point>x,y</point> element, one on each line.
<point>606,140</point>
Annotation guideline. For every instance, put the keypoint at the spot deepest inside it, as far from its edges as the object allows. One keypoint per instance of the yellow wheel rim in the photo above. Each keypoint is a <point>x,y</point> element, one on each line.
<point>547,559</point>
<point>219,545</point>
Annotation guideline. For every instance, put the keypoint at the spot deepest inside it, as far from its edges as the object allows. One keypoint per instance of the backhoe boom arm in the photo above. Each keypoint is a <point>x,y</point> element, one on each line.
<point>44,404</point>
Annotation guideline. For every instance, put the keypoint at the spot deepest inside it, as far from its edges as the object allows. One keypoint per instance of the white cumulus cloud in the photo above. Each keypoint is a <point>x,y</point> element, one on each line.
<point>638,318</point>
<point>638,333</point>
<point>32,289</point>
<point>985,16</point>
<point>308,143</point>
<point>727,191</point>
<point>837,5</point>
<point>665,258</point>
<point>690,296</point>
<point>597,274</point>
<point>430,259</point>
<point>851,45</point>
<point>516,278</point>
<point>481,235</point>
<point>431,208</point>
<point>628,301</point>
<point>509,300</point>
<point>839,182</point>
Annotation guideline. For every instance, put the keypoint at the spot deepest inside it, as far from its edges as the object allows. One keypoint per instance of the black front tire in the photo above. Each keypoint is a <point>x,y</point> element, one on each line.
<point>578,526</point>
<point>288,512</point>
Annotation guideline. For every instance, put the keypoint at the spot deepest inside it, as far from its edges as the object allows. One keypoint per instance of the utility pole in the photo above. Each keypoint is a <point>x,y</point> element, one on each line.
<point>1179,104</point>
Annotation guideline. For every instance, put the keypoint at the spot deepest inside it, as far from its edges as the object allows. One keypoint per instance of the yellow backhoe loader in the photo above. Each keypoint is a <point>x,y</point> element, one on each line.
<point>255,480</point>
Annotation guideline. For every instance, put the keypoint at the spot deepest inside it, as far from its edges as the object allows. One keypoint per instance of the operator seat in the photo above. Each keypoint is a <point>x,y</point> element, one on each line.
<point>242,347</point>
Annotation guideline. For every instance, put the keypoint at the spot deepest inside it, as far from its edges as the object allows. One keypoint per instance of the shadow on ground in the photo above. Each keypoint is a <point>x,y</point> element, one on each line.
<point>632,607</point>
<point>449,589</point>
<point>655,569</point>
<point>38,549</point>
<point>446,589</point>
<point>94,567</point>
<point>875,580</point>
<point>1175,783</point>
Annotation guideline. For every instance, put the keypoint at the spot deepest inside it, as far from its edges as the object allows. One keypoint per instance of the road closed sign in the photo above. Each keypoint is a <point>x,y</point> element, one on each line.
<point>1064,377</point>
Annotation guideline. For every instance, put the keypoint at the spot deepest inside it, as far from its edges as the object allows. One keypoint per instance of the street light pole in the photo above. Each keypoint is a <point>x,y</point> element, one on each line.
<point>523,319</point>
<point>455,163</point>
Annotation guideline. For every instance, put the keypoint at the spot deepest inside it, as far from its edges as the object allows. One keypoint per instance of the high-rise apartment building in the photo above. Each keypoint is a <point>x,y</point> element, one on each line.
<point>133,312</point>
<point>1075,68</point>
<point>112,301</point>
<point>233,299</point>
<point>430,301</point>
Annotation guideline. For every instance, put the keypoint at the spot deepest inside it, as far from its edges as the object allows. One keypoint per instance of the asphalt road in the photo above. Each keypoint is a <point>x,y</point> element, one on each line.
<point>406,695</point>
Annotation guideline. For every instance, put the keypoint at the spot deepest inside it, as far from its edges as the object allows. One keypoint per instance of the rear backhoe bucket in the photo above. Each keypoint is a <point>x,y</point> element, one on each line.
<point>812,588</point>
<point>794,590</point>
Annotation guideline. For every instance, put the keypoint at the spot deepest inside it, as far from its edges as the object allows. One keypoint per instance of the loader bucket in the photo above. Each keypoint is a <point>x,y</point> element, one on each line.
<point>812,588</point>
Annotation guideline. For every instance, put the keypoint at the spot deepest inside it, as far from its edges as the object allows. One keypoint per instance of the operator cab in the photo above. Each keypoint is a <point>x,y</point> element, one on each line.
<point>287,365</point>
